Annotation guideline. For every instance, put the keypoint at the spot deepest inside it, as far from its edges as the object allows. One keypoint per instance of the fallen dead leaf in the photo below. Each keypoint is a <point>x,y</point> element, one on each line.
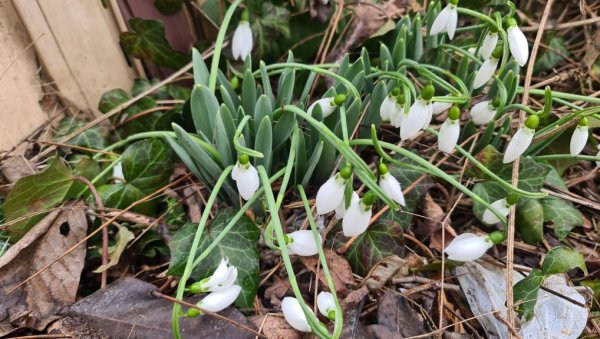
<point>432,224</point>
<point>340,270</point>
<point>384,270</point>
<point>352,306</point>
<point>37,303</point>
<point>396,314</point>
<point>14,168</point>
<point>274,327</point>
<point>277,291</point>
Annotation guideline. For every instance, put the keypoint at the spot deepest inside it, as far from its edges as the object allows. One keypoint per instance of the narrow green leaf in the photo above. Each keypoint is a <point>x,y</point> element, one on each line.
<point>262,109</point>
<point>200,69</point>
<point>312,163</point>
<point>204,106</point>
<point>249,93</point>
<point>264,143</point>
<point>283,129</point>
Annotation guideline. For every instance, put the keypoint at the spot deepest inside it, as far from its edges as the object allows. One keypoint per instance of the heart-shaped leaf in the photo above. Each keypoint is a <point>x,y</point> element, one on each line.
<point>147,164</point>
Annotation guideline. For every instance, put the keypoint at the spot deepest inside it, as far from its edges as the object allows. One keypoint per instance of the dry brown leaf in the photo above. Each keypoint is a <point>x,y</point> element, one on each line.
<point>340,270</point>
<point>36,303</point>
<point>14,168</point>
<point>384,270</point>
<point>355,297</point>
<point>277,291</point>
<point>274,327</point>
<point>396,314</point>
<point>432,224</point>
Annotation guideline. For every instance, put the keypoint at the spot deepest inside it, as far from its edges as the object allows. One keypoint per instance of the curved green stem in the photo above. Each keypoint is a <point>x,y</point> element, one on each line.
<point>566,156</point>
<point>238,135</point>
<point>517,107</point>
<point>214,66</point>
<point>477,15</point>
<point>387,158</point>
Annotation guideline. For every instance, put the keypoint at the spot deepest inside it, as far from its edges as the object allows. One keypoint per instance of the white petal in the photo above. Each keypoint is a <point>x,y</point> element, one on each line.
<point>448,136</point>
<point>452,21</point>
<point>326,104</point>
<point>235,171</point>
<point>485,72</point>
<point>518,144</point>
<point>303,243</point>
<point>578,140</point>
<point>489,43</point>
<point>439,107</point>
<point>219,300</point>
<point>439,25</point>
<point>219,275</point>
<point>340,210</point>
<point>117,172</point>
<point>482,113</point>
<point>502,206</point>
<point>292,311</point>
<point>519,47</point>
<point>391,187</point>
<point>417,116</point>
<point>356,219</point>
<point>429,115</point>
<point>325,303</point>
<point>241,44</point>
<point>388,108</point>
<point>329,195</point>
<point>247,181</point>
<point>396,118</point>
<point>467,247</point>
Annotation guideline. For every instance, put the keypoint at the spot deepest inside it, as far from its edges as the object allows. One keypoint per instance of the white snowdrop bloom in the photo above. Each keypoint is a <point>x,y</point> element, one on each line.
<point>340,210</point>
<point>418,116</point>
<point>390,185</point>
<point>518,144</point>
<point>389,107</point>
<point>219,300</point>
<point>246,177</point>
<point>579,137</point>
<point>327,106</point>
<point>331,193</point>
<point>117,172</point>
<point>358,215</point>
<point>396,118</point>
<point>302,243</point>
<point>489,43</point>
<point>242,42</point>
<point>502,206</point>
<point>448,135</point>
<point>326,304</point>
<point>467,247</point>
<point>485,72</point>
<point>517,42</point>
<point>293,314</point>
<point>446,21</point>
<point>483,112</point>
<point>440,107</point>
<point>223,277</point>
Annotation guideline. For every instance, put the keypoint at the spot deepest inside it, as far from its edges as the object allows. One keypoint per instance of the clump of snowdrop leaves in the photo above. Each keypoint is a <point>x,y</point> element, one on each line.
<point>469,246</point>
<point>517,42</point>
<point>390,185</point>
<point>503,206</point>
<point>331,193</point>
<point>245,176</point>
<point>450,131</point>
<point>293,314</point>
<point>242,42</point>
<point>521,140</point>
<point>302,243</point>
<point>357,217</point>
<point>446,21</point>
<point>419,115</point>
<point>579,137</point>
<point>487,69</point>
<point>484,111</point>
<point>326,304</point>
<point>327,105</point>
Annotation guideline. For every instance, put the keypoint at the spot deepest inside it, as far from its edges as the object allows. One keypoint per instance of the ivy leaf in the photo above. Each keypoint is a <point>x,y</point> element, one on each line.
<point>551,56</point>
<point>561,214</point>
<point>120,196</point>
<point>35,193</point>
<point>240,246</point>
<point>168,7</point>
<point>276,18</point>
<point>140,85</point>
<point>115,97</point>
<point>147,41</point>
<point>562,259</point>
<point>90,138</point>
<point>147,164</point>
<point>111,99</point>
<point>152,244</point>
<point>530,220</point>
<point>526,293</point>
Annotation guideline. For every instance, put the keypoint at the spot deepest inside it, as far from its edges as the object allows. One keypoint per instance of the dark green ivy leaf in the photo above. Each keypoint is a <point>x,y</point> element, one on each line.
<point>121,196</point>
<point>168,7</point>
<point>147,164</point>
<point>90,138</point>
<point>526,293</point>
<point>562,259</point>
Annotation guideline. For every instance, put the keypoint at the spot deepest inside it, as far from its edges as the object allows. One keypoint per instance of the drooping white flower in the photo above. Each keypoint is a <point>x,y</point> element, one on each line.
<point>483,112</point>
<point>440,107</point>
<point>396,118</point>
<point>327,106</point>
<point>502,206</point>
<point>517,42</point>
<point>219,300</point>
<point>340,210</point>
<point>246,177</point>
<point>518,144</point>
<point>485,72</point>
<point>358,215</point>
<point>448,135</point>
<point>223,277</point>
<point>242,42</point>
<point>117,172</point>
<point>293,314</point>
<point>326,304</point>
<point>330,194</point>
<point>489,43</point>
<point>390,185</point>
<point>418,116</point>
<point>302,243</point>
<point>389,107</point>
<point>467,247</point>
<point>446,21</point>
<point>579,137</point>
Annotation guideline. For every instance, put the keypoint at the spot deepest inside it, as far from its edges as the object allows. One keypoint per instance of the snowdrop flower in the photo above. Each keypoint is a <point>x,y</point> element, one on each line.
<point>419,115</point>
<point>503,206</point>
<point>326,304</point>
<point>450,130</point>
<point>579,137</point>
<point>117,172</point>
<point>389,106</point>
<point>302,243</point>
<point>439,107</point>
<point>245,176</point>
<point>293,314</point>
<point>358,215</point>
<point>484,111</point>
<point>487,69</point>
<point>340,210</point>
<point>446,21</point>
<point>517,42</point>
<point>521,140</point>
<point>398,113</point>
<point>468,246</point>
<point>390,185</point>
<point>223,277</point>
<point>489,43</point>
<point>331,193</point>
<point>216,301</point>
<point>328,105</point>
<point>241,46</point>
